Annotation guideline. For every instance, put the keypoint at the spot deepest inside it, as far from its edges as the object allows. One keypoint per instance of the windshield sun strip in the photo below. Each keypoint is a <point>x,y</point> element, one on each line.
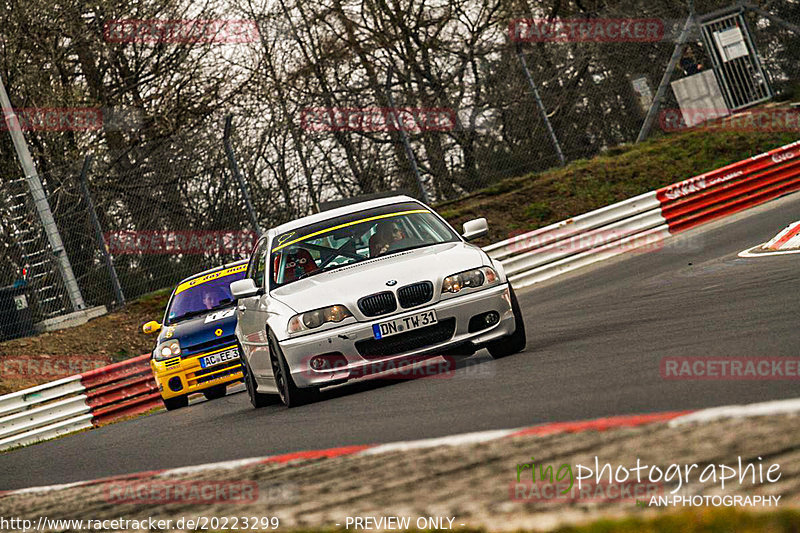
<point>194,282</point>
<point>376,217</point>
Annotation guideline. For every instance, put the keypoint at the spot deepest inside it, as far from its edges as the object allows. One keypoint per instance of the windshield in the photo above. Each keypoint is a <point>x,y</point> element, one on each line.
<point>353,238</point>
<point>200,295</point>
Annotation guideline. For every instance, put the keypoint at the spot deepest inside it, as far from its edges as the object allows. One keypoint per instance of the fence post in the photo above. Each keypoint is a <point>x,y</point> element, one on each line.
<point>112,272</point>
<point>409,153</point>
<point>541,107</point>
<point>251,213</point>
<point>662,87</point>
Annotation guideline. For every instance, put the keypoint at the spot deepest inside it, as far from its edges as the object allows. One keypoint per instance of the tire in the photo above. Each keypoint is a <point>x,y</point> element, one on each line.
<point>216,392</point>
<point>175,403</point>
<point>510,344</point>
<point>257,399</point>
<point>291,395</point>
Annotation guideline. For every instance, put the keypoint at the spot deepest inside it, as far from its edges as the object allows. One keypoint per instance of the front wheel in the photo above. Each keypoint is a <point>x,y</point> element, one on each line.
<point>215,392</point>
<point>257,399</point>
<point>510,344</point>
<point>291,394</point>
<point>175,403</point>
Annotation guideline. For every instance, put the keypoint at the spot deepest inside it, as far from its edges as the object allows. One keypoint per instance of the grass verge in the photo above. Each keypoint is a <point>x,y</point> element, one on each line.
<point>107,339</point>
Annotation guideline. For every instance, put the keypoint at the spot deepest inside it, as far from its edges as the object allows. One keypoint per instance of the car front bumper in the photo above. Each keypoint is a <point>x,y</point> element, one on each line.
<point>187,376</point>
<point>342,341</point>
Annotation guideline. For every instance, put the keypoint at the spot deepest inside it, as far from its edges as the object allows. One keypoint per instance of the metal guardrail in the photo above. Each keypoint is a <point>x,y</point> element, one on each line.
<point>576,242</point>
<point>732,188</point>
<point>128,388</point>
<point>77,402</point>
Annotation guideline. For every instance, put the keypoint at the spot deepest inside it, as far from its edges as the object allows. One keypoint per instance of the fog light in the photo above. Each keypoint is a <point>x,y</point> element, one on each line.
<point>175,384</point>
<point>483,321</point>
<point>328,361</point>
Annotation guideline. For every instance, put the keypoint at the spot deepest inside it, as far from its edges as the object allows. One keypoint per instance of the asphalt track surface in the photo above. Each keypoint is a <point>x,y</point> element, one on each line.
<point>595,340</point>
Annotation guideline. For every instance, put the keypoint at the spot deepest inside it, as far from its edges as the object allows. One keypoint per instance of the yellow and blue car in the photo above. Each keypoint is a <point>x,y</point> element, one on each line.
<point>196,349</point>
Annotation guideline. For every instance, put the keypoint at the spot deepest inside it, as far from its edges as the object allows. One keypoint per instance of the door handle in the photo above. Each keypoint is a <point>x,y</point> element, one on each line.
<point>242,308</point>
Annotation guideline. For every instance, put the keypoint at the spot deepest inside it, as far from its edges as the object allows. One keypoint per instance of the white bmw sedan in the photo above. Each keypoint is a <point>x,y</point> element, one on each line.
<point>332,296</point>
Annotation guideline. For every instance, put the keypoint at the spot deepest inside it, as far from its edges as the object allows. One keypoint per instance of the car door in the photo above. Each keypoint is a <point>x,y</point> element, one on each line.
<point>252,315</point>
<point>245,319</point>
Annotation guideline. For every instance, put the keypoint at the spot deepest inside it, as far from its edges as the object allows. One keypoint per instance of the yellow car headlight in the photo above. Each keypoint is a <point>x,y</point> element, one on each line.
<point>167,349</point>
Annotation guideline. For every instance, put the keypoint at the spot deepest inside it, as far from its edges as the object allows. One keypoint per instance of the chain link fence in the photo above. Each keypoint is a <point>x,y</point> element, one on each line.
<point>329,104</point>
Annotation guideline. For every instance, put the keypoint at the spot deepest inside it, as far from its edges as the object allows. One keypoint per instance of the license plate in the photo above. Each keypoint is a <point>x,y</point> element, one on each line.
<point>400,325</point>
<point>217,358</point>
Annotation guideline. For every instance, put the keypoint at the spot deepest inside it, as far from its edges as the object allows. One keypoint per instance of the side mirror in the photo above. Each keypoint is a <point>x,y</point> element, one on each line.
<point>151,327</point>
<point>476,228</point>
<point>244,288</point>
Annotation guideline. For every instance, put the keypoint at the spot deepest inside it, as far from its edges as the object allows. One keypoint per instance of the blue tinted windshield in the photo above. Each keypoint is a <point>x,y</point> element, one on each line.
<point>202,297</point>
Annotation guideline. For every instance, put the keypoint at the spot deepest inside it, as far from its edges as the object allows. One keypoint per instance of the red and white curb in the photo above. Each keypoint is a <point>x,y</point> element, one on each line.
<point>673,418</point>
<point>785,242</point>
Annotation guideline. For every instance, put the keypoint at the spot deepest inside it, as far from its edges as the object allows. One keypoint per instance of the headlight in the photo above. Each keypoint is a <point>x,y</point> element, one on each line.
<point>168,349</point>
<point>318,317</point>
<point>469,279</point>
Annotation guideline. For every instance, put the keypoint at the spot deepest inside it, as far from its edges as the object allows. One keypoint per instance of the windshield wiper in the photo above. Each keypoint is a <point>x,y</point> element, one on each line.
<point>306,274</point>
<point>227,302</point>
<point>223,304</point>
<point>190,314</point>
<point>318,271</point>
<point>413,247</point>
